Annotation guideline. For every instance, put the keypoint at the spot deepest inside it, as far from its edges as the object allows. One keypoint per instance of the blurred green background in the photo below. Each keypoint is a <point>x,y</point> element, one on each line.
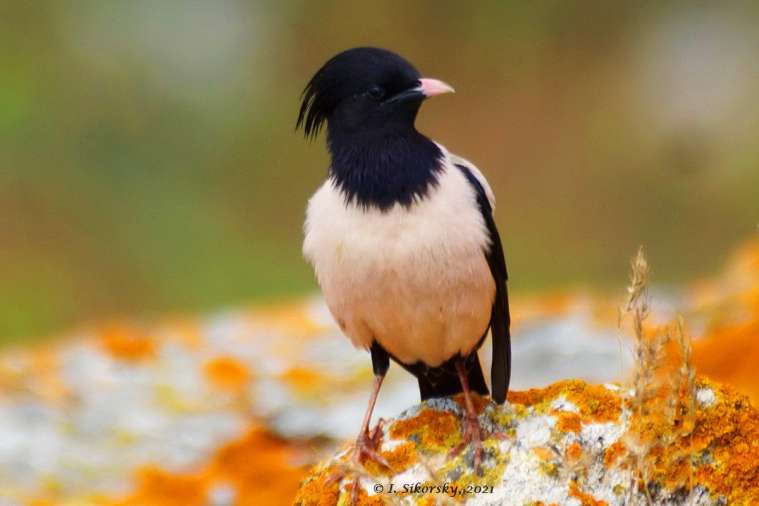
<point>148,162</point>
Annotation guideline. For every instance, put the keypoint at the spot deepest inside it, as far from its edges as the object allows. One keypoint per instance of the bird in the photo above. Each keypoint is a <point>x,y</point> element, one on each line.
<point>402,237</point>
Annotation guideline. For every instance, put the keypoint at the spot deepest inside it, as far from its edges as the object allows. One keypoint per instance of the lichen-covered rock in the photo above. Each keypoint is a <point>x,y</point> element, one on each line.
<point>569,444</point>
<point>144,411</point>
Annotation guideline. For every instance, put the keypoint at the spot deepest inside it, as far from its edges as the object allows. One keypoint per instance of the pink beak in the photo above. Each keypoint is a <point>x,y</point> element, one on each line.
<point>433,87</point>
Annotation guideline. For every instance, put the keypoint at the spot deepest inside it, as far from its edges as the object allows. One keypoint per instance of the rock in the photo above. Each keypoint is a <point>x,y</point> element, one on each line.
<point>141,409</point>
<point>572,443</point>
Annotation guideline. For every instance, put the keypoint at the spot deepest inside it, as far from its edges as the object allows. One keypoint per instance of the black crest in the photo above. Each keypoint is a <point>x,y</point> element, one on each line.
<point>350,73</point>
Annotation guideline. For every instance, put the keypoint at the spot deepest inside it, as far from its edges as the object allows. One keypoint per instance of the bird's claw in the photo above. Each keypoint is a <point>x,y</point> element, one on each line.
<point>472,436</point>
<point>365,449</point>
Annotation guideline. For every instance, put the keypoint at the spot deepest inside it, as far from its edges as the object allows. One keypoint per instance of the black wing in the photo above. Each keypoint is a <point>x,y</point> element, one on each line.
<point>500,319</point>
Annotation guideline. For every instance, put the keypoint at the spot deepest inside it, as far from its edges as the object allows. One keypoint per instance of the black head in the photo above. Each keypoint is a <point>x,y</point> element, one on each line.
<point>369,98</point>
<point>362,89</point>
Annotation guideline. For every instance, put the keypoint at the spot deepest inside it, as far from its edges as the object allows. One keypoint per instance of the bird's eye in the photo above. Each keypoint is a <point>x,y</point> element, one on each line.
<point>376,92</point>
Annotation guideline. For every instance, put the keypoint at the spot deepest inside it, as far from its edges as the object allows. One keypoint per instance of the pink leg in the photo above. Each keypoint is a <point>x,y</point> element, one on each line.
<point>366,443</point>
<point>472,430</point>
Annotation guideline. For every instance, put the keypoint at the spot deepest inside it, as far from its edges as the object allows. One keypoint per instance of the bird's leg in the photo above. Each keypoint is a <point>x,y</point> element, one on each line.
<point>366,443</point>
<point>472,432</point>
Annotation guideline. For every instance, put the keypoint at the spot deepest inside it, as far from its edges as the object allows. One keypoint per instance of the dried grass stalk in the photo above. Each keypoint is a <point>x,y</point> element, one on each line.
<point>664,396</point>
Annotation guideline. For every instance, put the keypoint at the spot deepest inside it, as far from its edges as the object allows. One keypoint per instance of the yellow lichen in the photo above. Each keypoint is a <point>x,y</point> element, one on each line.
<point>549,465</point>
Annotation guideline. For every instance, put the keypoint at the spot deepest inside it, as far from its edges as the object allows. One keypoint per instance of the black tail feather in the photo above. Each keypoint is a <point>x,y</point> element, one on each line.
<point>440,381</point>
<point>444,381</point>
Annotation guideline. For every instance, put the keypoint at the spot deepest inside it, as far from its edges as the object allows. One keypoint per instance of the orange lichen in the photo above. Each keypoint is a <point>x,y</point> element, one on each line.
<point>323,489</point>
<point>614,452</point>
<point>227,373</point>
<point>595,402</point>
<point>364,499</point>
<point>400,458</point>
<point>126,342</point>
<point>727,433</point>
<point>730,432</point>
<point>320,489</point>
<point>567,421</point>
<point>574,452</point>
<point>430,429</point>
<point>585,498</point>
<point>257,468</point>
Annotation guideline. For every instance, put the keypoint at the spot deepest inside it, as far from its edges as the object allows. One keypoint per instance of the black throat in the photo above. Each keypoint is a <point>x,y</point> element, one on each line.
<point>381,168</point>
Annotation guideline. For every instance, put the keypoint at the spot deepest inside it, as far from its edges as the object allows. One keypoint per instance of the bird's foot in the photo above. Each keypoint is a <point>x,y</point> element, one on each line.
<point>472,437</point>
<point>366,448</point>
